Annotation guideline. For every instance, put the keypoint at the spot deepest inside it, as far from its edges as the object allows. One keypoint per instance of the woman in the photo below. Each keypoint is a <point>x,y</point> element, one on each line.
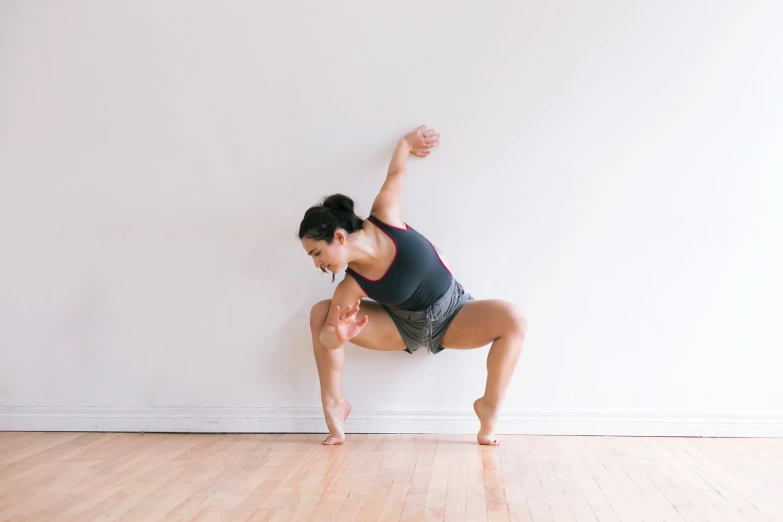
<point>416,302</point>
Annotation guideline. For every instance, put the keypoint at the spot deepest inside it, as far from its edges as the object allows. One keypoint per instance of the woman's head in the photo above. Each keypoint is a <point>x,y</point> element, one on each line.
<point>324,230</point>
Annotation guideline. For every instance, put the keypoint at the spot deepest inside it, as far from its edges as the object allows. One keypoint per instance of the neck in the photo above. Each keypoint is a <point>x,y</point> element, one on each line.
<point>364,249</point>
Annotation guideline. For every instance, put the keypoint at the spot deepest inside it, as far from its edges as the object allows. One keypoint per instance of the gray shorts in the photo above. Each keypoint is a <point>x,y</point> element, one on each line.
<point>428,327</point>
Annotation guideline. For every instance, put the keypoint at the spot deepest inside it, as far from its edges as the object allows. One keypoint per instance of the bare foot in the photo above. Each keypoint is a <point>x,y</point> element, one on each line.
<point>488,419</point>
<point>335,416</point>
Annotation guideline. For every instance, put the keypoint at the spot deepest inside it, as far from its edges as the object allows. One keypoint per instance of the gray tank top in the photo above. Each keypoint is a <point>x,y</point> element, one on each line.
<point>416,278</point>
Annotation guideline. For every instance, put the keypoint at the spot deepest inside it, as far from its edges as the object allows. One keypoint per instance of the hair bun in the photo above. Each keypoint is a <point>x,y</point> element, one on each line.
<point>339,202</point>
<point>321,221</point>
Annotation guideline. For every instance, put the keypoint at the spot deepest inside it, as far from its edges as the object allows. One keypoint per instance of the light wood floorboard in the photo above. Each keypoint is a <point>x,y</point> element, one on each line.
<point>289,477</point>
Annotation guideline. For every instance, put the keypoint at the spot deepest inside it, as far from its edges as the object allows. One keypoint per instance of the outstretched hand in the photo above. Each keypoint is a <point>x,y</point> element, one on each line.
<point>421,141</point>
<point>346,326</point>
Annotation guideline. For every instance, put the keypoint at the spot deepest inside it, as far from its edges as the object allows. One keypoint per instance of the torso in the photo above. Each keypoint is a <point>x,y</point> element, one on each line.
<point>414,278</point>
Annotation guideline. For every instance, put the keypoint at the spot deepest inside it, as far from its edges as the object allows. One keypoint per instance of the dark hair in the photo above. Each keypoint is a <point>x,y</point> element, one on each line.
<point>321,221</point>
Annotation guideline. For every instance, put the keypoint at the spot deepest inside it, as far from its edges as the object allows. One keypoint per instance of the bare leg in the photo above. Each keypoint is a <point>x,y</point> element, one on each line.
<point>501,362</point>
<point>379,334</point>
<point>330,374</point>
<point>504,325</point>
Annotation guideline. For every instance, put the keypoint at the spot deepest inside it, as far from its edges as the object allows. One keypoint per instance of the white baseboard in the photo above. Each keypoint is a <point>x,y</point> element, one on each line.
<point>310,420</point>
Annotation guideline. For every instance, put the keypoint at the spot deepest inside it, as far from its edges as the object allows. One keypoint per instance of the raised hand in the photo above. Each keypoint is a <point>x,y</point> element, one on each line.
<point>421,141</point>
<point>346,326</point>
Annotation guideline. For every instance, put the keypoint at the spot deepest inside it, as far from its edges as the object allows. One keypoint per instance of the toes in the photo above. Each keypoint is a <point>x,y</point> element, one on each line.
<point>485,441</point>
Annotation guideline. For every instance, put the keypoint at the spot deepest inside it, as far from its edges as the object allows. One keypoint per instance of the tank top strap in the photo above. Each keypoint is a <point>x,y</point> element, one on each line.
<point>386,226</point>
<point>357,277</point>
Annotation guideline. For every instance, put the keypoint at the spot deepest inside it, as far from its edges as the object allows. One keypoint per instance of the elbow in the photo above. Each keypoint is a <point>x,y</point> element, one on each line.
<point>396,172</point>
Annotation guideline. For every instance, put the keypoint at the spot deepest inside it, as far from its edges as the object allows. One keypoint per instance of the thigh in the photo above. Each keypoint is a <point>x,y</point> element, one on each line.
<point>478,323</point>
<point>380,333</point>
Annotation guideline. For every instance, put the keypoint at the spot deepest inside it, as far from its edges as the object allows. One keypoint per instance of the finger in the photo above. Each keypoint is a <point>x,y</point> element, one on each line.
<point>435,137</point>
<point>351,312</point>
<point>420,129</point>
<point>337,313</point>
<point>429,133</point>
<point>363,322</point>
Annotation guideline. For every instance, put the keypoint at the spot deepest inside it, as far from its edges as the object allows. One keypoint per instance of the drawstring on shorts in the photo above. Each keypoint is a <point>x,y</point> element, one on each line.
<point>430,318</point>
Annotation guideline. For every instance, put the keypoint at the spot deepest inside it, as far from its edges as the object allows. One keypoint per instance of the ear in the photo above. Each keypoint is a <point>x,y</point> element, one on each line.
<point>339,237</point>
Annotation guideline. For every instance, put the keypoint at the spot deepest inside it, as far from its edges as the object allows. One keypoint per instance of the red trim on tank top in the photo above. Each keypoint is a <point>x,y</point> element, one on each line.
<point>374,219</point>
<point>396,253</point>
<point>439,258</point>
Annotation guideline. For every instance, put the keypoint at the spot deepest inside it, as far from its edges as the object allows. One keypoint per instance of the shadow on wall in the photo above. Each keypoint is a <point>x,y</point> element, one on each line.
<point>287,359</point>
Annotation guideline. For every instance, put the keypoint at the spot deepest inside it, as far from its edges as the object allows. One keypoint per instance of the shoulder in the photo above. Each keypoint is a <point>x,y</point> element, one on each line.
<point>349,287</point>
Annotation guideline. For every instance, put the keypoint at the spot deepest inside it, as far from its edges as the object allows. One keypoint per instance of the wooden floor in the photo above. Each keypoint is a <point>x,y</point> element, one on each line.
<point>123,476</point>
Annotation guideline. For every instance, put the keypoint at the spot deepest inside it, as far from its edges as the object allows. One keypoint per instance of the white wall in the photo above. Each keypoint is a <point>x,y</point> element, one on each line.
<point>615,168</point>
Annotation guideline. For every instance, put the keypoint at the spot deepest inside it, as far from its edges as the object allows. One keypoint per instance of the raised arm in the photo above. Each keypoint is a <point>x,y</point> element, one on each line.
<point>387,205</point>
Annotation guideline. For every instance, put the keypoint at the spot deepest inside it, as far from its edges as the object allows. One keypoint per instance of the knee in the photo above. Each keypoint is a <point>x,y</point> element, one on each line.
<point>517,321</point>
<point>318,314</point>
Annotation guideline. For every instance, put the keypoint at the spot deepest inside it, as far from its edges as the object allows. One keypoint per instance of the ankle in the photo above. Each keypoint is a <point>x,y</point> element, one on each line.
<point>331,401</point>
<point>489,404</point>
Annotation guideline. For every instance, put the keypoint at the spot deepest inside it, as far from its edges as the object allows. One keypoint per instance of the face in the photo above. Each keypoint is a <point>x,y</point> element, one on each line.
<point>327,257</point>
